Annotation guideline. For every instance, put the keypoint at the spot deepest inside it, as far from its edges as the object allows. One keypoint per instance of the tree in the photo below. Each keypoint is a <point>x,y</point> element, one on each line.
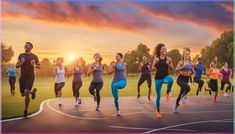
<point>142,50</point>
<point>7,53</point>
<point>132,61</point>
<point>222,47</point>
<point>46,68</point>
<point>175,56</point>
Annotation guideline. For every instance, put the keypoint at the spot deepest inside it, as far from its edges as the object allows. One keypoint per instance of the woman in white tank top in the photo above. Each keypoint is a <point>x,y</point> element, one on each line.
<point>59,79</point>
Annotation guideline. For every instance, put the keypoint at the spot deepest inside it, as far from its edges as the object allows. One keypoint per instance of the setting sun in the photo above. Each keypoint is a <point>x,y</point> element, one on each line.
<point>71,57</point>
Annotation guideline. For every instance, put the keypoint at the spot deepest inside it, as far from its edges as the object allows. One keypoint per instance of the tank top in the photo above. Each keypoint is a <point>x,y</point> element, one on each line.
<point>77,76</point>
<point>214,74</point>
<point>225,74</point>
<point>161,69</point>
<point>119,74</point>
<point>145,69</point>
<point>59,77</point>
<point>187,67</point>
<point>97,73</point>
<point>12,72</point>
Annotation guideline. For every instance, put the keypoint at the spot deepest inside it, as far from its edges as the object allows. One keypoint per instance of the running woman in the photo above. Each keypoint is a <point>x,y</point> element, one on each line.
<point>59,73</point>
<point>119,79</point>
<point>27,62</point>
<point>214,74</point>
<point>162,64</point>
<point>199,69</point>
<point>144,67</point>
<point>226,74</point>
<point>77,81</point>
<point>184,67</point>
<point>12,77</point>
<point>97,81</point>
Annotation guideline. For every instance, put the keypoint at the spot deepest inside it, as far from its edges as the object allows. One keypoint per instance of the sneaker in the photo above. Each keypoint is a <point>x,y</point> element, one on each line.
<point>149,98</point>
<point>199,94</point>
<point>59,102</point>
<point>138,96</point>
<point>25,114</point>
<point>97,109</point>
<point>158,115</point>
<point>175,110</point>
<point>170,94</point>
<point>226,95</point>
<point>118,113</point>
<point>79,101</point>
<point>34,93</point>
<point>76,102</point>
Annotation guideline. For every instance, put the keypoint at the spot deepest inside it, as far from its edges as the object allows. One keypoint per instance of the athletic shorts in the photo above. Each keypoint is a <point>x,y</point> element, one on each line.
<point>214,85</point>
<point>26,82</point>
<point>144,77</point>
<point>58,87</point>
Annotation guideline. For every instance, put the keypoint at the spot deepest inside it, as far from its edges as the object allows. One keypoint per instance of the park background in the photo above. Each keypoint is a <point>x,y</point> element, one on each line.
<point>77,30</point>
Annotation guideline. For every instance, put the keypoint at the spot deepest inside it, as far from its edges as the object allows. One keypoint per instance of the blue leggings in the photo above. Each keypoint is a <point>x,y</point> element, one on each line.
<point>158,87</point>
<point>115,86</point>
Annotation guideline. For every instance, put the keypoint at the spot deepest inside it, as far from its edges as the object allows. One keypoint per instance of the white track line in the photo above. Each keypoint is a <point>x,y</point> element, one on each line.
<point>32,115</point>
<point>72,116</point>
<point>183,124</point>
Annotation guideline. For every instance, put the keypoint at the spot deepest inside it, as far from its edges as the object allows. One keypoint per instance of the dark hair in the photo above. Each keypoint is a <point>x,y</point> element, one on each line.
<point>199,60</point>
<point>31,45</point>
<point>120,54</point>
<point>224,63</point>
<point>157,49</point>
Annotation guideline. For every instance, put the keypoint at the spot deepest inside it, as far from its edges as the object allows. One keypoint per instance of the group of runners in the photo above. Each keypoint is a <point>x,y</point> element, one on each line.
<point>162,64</point>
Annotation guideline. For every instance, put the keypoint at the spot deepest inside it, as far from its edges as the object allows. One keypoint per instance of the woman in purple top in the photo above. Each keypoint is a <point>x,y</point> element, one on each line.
<point>226,74</point>
<point>144,67</point>
<point>77,81</point>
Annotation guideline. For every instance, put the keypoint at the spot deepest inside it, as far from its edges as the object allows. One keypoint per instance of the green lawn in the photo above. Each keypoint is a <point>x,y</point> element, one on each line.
<point>14,106</point>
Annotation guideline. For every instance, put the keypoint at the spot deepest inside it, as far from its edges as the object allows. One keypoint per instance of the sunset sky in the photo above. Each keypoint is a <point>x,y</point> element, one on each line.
<point>74,28</point>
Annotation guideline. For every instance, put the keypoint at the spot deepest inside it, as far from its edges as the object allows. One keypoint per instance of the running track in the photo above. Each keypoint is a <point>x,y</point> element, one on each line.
<point>198,114</point>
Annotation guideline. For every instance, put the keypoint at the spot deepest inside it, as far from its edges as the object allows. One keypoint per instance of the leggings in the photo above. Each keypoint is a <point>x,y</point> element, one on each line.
<point>98,86</point>
<point>115,86</point>
<point>200,84</point>
<point>145,77</point>
<point>182,81</point>
<point>12,81</point>
<point>76,87</point>
<point>158,87</point>
<point>223,84</point>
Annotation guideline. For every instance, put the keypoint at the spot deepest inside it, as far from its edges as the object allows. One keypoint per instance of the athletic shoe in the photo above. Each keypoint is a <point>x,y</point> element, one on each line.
<point>97,109</point>
<point>95,98</point>
<point>59,102</point>
<point>149,98</point>
<point>158,115</point>
<point>167,96</point>
<point>25,114</point>
<point>34,93</point>
<point>79,101</point>
<point>226,95</point>
<point>138,96</point>
<point>175,110</point>
<point>76,102</point>
<point>199,94</point>
<point>170,94</point>
<point>118,113</point>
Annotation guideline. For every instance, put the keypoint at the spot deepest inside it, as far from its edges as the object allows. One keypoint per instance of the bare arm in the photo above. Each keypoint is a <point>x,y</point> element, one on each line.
<point>170,63</point>
<point>140,66</point>
<point>112,68</point>
<point>89,71</point>
<point>155,60</point>
<point>179,66</point>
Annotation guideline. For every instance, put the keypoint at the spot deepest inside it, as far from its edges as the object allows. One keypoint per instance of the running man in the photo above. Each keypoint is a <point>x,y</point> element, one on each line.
<point>214,74</point>
<point>77,81</point>
<point>12,77</point>
<point>226,74</point>
<point>184,67</point>
<point>119,79</point>
<point>144,67</point>
<point>59,73</point>
<point>199,69</point>
<point>27,62</point>
<point>162,64</point>
<point>97,81</point>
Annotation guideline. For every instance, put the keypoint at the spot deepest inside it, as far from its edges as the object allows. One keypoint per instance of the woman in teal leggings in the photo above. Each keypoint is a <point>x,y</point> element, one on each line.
<point>119,79</point>
<point>161,64</point>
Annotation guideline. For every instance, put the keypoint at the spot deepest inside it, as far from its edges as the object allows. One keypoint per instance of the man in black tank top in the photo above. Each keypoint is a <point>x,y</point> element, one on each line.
<point>144,67</point>
<point>27,62</point>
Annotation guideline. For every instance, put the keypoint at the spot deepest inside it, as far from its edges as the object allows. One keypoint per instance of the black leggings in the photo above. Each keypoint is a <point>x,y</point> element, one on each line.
<point>223,84</point>
<point>145,77</point>
<point>12,81</point>
<point>98,86</point>
<point>182,81</point>
<point>76,87</point>
<point>200,84</point>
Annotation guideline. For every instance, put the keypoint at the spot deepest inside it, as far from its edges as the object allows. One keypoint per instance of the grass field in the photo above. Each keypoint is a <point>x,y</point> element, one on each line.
<point>14,106</point>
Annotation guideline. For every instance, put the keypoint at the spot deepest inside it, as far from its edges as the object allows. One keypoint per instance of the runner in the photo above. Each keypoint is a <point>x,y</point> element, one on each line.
<point>226,74</point>
<point>214,74</point>
<point>199,69</point>
<point>27,62</point>
<point>162,64</point>
<point>97,81</point>
<point>184,67</point>
<point>144,67</point>
<point>12,77</point>
<point>77,81</point>
<point>119,79</point>
<point>59,79</point>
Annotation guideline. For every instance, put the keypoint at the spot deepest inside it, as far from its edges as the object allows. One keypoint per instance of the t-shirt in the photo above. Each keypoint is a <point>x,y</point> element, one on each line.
<point>26,67</point>
<point>199,69</point>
